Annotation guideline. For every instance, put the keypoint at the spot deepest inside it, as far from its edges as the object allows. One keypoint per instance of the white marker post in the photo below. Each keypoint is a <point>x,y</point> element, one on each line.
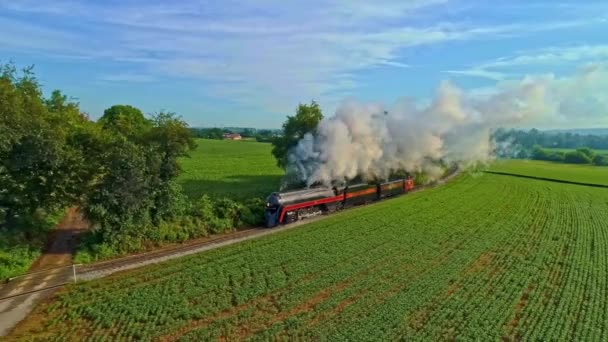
<point>74,271</point>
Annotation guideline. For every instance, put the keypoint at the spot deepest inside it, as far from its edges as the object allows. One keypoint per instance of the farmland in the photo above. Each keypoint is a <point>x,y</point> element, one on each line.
<point>485,255</point>
<point>237,169</point>
<point>563,172</point>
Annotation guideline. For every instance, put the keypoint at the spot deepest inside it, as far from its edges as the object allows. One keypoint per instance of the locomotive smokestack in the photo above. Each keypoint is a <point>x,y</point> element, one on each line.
<point>371,141</point>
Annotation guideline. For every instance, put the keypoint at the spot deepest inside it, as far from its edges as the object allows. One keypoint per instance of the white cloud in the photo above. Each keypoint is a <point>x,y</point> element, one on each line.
<point>127,77</point>
<point>503,67</point>
<point>482,73</point>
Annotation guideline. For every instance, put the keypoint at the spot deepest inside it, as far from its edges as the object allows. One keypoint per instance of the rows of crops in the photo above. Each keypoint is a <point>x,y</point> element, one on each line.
<point>484,256</point>
<point>236,169</point>
<point>559,171</point>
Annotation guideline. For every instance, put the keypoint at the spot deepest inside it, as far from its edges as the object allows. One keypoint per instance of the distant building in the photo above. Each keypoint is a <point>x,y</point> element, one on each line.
<point>232,136</point>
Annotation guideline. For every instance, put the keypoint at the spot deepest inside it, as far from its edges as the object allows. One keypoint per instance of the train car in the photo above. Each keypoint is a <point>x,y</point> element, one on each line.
<point>390,189</point>
<point>287,207</point>
<point>359,194</point>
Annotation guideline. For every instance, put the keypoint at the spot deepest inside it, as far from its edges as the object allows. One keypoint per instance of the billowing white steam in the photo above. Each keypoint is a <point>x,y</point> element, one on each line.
<point>371,141</point>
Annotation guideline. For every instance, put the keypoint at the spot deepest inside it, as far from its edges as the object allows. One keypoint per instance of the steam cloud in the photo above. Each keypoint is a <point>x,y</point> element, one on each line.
<point>364,140</point>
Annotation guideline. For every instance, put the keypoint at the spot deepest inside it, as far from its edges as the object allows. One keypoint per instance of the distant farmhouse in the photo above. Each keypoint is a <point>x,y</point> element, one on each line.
<point>232,136</point>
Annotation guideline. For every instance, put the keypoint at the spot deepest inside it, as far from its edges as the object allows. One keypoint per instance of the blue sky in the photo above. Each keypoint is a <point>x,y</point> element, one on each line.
<point>249,63</point>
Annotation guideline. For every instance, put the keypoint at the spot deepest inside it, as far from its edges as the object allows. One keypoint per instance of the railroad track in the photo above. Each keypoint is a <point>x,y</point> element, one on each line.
<point>92,271</point>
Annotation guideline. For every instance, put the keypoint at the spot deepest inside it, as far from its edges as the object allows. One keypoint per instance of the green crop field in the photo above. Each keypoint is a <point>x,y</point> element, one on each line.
<point>482,257</point>
<point>559,171</point>
<point>238,169</point>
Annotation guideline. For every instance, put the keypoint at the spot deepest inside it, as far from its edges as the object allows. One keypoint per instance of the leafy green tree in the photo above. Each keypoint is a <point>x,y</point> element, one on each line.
<point>586,151</point>
<point>126,120</point>
<point>539,153</point>
<point>40,168</point>
<point>600,160</point>
<point>170,136</point>
<point>306,120</point>
<point>120,200</point>
<point>577,157</point>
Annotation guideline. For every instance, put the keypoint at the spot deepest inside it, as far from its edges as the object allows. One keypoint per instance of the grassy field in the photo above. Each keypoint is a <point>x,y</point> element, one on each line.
<point>237,169</point>
<point>485,256</point>
<point>559,171</point>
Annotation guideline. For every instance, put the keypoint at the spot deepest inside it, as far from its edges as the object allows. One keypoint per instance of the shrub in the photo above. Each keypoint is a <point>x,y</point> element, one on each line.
<point>203,208</point>
<point>556,156</point>
<point>193,220</point>
<point>600,160</point>
<point>538,153</point>
<point>253,211</point>
<point>586,151</point>
<point>577,157</point>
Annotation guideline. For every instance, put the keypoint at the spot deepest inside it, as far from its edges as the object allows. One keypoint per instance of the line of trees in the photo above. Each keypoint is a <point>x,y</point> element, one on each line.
<point>260,135</point>
<point>538,145</point>
<point>582,155</point>
<point>120,171</point>
<point>527,140</point>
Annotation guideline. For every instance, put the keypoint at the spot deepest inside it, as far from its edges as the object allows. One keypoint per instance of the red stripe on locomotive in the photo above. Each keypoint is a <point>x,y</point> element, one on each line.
<point>361,193</point>
<point>309,204</point>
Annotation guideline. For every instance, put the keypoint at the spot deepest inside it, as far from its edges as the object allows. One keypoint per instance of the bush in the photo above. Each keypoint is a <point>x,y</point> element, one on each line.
<point>193,220</point>
<point>556,156</point>
<point>577,157</point>
<point>586,151</point>
<point>539,153</point>
<point>253,212</point>
<point>600,160</point>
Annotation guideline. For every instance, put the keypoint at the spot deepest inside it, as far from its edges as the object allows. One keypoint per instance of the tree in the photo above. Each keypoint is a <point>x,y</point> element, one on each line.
<point>306,120</point>
<point>600,160</point>
<point>248,132</point>
<point>126,120</point>
<point>136,189</point>
<point>170,136</point>
<point>40,167</point>
<point>577,157</point>
<point>586,151</point>
<point>208,133</point>
<point>120,200</point>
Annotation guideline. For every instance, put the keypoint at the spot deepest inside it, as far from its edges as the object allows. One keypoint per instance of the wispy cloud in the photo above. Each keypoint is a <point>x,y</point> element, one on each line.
<point>500,68</point>
<point>127,77</point>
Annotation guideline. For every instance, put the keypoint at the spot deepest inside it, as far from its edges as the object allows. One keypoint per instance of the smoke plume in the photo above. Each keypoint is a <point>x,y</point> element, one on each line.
<point>372,141</point>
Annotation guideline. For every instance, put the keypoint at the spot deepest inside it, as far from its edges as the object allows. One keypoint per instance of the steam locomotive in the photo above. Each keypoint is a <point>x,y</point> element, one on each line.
<point>287,207</point>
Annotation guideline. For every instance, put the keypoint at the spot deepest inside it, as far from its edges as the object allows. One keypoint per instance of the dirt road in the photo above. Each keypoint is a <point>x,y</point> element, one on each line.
<point>51,269</point>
